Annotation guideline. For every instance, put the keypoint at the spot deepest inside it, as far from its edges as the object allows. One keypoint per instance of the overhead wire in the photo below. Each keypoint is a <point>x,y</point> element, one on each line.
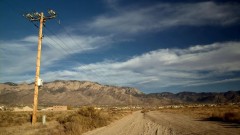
<point>64,48</point>
<point>49,44</point>
<point>61,42</point>
<point>60,45</point>
<point>69,35</point>
<point>99,74</point>
<point>87,69</point>
<point>20,13</point>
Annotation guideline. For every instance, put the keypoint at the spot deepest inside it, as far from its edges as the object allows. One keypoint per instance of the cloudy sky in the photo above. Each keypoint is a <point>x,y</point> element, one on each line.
<point>152,45</point>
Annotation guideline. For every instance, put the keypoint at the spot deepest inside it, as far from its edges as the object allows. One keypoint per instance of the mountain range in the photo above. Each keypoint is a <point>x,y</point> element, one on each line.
<point>77,93</point>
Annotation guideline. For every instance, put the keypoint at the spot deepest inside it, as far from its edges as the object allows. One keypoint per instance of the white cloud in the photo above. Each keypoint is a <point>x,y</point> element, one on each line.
<point>193,66</point>
<point>18,57</point>
<point>215,82</point>
<point>166,15</point>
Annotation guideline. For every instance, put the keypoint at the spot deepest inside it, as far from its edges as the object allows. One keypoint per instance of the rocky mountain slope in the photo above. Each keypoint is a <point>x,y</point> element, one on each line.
<point>68,93</point>
<point>90,93</point>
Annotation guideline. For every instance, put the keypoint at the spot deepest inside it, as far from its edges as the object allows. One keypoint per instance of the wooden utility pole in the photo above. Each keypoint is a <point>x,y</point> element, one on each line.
<point>35,100</point>
<point>41,18</point>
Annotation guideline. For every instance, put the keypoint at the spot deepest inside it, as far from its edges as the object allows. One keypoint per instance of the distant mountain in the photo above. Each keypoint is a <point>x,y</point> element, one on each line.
<point>69,93</point>
<point>90,93</point>
<point>192,97</point>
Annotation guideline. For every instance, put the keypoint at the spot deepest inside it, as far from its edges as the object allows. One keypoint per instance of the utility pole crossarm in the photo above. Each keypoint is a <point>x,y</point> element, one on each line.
<point>36,16</point>
<point>41,18</point>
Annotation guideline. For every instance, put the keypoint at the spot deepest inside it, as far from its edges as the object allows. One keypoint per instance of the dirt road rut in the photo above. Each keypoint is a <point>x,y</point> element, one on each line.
<point>156,123</point>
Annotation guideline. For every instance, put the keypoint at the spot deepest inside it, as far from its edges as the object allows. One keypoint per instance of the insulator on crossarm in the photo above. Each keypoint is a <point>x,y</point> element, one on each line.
<point>51,12</point>
<point>36,14</point>
<point>29,16</point>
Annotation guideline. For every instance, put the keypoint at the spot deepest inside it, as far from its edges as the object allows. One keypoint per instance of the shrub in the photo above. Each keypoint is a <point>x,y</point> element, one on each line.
<point>232,117</point>
<point>13,118</point>
<point>144,111</point>
<point>85,119</point>
<point>226,117</point>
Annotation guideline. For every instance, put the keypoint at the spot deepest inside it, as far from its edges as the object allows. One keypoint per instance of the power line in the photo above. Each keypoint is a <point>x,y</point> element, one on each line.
<point>69,35</point>
<point>62,46</point>
<point>98,75</point>
<point>70,54</point>
<point>49,44</point>
<point>60,40</point>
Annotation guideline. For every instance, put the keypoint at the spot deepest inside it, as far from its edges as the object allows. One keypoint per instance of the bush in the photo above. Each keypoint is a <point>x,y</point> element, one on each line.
<point>144,111</point>
<point>13,118</point>
<point>226,117</point>
<point>232,117</point>
<point>88,112</point>
<point>85,119</point>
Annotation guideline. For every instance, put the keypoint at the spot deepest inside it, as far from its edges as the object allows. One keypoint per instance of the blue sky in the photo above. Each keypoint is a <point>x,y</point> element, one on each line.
<point>152,45</point>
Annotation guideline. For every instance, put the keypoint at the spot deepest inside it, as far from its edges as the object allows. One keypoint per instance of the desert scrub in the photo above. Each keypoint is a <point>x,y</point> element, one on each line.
<point>8,118</point>
<point>226,117</point>
<point>85,119</point>
<point>13,118</point>
<point>144,111</point>
<point>225,113</point>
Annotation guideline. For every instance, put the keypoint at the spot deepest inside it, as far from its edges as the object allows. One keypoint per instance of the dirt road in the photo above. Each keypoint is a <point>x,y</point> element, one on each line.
<point>156,123</point>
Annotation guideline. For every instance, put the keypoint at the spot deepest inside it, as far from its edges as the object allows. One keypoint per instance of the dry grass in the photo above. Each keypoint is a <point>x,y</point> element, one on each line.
<point>8,118</point>
<point>86,119</point>
<point>226,117</point>
<point>226,113</point>
<point>13,119</point>
<point>144,111</point>
<point>59,123</point>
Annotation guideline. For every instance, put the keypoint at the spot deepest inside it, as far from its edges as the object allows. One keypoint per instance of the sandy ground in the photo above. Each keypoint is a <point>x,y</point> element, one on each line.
<point>158,123</point>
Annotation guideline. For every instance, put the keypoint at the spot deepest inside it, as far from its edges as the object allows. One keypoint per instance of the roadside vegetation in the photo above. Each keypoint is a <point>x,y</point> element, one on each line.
<point>223,113</point>
<point>14,118</point>
<point>228,116</point>
<point>86,119</point>
<point>61,123</point>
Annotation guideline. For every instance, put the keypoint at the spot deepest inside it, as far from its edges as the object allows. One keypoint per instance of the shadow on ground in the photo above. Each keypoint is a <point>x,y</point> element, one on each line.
<point>222,123</point>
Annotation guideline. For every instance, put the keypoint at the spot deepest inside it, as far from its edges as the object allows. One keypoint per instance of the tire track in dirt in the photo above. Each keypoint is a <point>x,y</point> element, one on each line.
<point>158,123</point>
<point>186,125</point>
<point>134,124</point>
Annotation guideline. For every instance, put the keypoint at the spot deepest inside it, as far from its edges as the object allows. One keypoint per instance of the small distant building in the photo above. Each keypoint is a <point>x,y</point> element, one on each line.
<point>59,108</point>
<point>48,109</point>
<point>56,108</point>
<point>24,109</point>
